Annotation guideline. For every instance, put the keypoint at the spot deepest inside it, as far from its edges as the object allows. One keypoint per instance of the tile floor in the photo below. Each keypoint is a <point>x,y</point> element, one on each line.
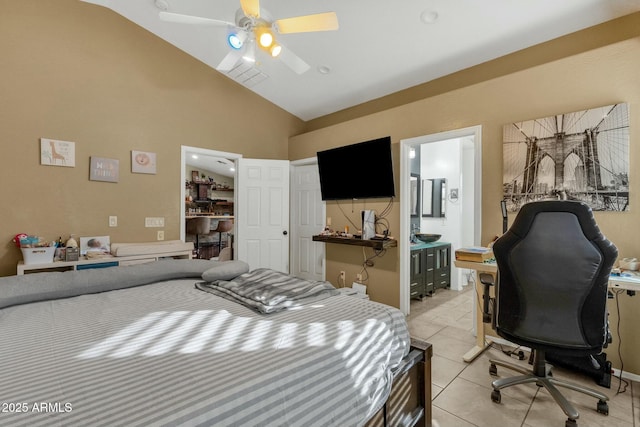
<point>462,391</point>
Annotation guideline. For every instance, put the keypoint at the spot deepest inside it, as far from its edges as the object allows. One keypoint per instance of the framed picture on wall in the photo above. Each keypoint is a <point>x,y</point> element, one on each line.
<point>583,155</point>
<point>102,169</point>
<point>143,162</point>
<point>57,153</point>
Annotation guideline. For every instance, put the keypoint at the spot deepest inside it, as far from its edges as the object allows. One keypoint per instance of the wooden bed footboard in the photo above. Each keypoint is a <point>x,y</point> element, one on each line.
<point>409,403</point>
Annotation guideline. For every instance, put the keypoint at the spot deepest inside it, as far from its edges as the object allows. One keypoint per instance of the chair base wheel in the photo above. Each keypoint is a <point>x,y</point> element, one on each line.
<point>496,396</point>
<point>493,369</point>
<point>570,423</point>
<point>603,407</point>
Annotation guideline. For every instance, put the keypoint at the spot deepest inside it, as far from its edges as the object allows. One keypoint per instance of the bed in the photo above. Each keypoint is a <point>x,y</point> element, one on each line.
<point>143,345</point>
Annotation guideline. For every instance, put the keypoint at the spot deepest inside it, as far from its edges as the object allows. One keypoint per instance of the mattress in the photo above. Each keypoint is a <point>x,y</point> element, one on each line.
<point>167,354</point>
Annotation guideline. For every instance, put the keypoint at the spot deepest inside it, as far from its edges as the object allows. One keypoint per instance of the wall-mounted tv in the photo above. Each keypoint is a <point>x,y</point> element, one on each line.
<point>357,171</point>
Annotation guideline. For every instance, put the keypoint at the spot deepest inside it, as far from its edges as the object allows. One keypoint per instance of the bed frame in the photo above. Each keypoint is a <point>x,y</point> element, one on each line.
<point>409,403</point>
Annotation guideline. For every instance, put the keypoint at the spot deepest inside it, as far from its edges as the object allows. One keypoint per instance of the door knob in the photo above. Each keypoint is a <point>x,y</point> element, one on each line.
<point>284,233</point>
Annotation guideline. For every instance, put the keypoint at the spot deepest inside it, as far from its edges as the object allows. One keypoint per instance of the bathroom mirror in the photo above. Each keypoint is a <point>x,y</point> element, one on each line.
<point>427,197</point>
<point>414,188</point>
<point>434,197</point>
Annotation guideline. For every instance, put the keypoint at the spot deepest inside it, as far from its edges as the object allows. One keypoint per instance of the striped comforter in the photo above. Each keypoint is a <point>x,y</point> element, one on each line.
<point>170,354</point>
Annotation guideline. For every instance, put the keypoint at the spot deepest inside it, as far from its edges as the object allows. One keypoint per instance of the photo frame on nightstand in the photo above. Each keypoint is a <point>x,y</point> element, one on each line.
<point>96,245</point>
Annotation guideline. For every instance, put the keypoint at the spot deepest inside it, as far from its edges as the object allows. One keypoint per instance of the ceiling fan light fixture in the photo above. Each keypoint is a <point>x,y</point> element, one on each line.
<point>236,40</point>
<point>275,50</point>
<point>265,38</point>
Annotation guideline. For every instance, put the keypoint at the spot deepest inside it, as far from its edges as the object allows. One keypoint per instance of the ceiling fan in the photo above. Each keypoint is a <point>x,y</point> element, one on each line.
<point>254,28</point>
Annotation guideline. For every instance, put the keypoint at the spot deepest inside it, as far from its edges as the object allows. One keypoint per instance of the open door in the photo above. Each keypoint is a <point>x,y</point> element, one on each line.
<point>308,214</point>
<point>262,213</point>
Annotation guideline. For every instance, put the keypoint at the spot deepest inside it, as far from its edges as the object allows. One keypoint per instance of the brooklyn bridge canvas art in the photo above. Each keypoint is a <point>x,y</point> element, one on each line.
<point>574,156</point>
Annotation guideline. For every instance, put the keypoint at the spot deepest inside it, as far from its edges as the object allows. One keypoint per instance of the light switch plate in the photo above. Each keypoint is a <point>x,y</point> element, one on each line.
<point>113,221</point>
<point>152,221</point>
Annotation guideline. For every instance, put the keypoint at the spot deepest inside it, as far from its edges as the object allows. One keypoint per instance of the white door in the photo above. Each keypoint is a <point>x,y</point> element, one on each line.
<point>307,220</point>
<point>262,223</point>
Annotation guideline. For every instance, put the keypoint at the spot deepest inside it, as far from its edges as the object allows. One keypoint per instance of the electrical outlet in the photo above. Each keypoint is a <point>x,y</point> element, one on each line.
<point>359,278</point>
<point>328,221</point>
<point>113,221</point>
<point>160,234</point>
<point>343,277</point>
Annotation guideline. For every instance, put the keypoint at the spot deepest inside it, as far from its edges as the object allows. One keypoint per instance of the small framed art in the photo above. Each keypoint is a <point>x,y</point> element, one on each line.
<point>143,162</point>
<point>102,169</point>
<point>57,153</point>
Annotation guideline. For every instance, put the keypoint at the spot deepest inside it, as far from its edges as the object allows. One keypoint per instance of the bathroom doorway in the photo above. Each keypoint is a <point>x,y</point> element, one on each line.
<point>455,157</point>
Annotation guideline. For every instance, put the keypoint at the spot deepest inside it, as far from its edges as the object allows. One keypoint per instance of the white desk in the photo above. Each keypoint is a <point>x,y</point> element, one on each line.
<point>631,283</point>
<point>84,262</point>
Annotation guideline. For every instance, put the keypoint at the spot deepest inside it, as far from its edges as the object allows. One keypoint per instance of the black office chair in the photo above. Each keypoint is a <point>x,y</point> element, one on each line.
<point>551,293</point>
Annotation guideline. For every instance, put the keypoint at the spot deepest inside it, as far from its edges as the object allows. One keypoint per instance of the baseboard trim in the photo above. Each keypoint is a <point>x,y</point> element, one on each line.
<point>626,375</point>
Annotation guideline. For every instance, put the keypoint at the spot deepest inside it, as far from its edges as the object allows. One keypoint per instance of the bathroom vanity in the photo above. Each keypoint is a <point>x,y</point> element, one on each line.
<point>430,268</point>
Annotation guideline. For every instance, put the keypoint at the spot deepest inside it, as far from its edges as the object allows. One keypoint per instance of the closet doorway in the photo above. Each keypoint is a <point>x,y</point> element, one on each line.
<point>209,199</point>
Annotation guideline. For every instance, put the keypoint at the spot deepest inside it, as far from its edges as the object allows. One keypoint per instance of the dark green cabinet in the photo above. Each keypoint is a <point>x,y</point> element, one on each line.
<point>430,268</point>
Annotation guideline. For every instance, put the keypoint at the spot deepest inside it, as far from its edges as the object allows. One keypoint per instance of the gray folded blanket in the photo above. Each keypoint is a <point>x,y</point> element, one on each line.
<point>269,291</point>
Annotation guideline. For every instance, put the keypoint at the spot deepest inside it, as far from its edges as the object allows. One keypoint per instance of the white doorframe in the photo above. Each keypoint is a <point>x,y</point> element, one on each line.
<point>405,170</point>
<point>183,169</point>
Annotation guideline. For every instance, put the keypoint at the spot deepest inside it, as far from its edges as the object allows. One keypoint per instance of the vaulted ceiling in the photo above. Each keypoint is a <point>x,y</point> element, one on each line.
<point>381,47</point>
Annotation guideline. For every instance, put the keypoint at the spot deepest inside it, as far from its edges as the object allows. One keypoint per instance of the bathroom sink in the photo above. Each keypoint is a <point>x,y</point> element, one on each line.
<point>428,238</point>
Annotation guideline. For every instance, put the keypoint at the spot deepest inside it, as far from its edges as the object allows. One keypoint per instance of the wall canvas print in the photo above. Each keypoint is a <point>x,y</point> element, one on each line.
<point>575,156</point>
<point>143,162</point>
<point>102,169</point>
<point>57,153</point>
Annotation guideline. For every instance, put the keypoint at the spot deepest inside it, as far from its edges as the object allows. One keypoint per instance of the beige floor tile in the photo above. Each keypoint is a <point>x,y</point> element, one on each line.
<point>424,329</point>
<point>545,411</point>
<point>435,390</point>
<point>448,347</point>
<point>478,373</point>
<point>442,418</point>
<point>443,370</point>
<point>461,398</point>
<point>460,334</point>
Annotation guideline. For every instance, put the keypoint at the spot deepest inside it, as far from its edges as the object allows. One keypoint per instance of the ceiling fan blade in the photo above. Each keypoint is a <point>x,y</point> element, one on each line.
<point>327,21</point>
<point>251,8</point>
<point>230,60</point>
<point>293,61</point>
<point>189,19</point>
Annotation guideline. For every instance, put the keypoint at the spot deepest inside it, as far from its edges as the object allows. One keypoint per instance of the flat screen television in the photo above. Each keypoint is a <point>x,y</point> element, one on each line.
<point>357,171</point>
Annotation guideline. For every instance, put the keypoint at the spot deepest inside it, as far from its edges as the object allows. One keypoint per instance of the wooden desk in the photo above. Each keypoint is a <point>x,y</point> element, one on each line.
<point>482,342</point>
<point>631,283</point>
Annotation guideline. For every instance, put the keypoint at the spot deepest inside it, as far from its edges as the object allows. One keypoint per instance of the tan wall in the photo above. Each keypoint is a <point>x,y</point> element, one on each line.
<point>79,72</point>
<point>594,78</point>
